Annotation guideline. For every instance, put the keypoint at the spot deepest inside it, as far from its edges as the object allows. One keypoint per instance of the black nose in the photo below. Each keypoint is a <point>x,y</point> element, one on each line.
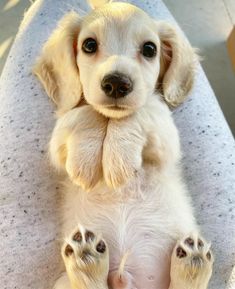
<point>116,85</point>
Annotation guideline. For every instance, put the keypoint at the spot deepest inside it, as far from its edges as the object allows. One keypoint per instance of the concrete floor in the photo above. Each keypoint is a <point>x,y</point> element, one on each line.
<point>207,23</point>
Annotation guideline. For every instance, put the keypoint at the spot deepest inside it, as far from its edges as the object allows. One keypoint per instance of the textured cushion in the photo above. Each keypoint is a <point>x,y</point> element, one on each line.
<point>29,221</point>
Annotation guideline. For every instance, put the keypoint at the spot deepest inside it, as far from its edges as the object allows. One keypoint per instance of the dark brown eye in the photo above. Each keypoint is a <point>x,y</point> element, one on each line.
<point>149,49</point>
<point>89,45</point>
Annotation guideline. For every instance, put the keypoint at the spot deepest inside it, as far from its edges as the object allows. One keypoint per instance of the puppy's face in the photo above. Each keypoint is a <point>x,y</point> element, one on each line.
<point>115,57</point>
<point>118,56</point>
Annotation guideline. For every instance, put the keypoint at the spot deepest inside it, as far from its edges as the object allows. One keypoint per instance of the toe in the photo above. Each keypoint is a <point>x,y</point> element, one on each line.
<point>89,236</point>
<point>200,244</point>
<point>101,247</point>
<point>77,237</point>
<point>180,252</point>
<point>209,256</point>
<point>68,250</point>
<point>189,242</point>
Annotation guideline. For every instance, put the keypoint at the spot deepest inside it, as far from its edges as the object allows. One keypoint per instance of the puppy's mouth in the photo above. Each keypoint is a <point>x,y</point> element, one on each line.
<point>116,107</point>
<point>114,110</point>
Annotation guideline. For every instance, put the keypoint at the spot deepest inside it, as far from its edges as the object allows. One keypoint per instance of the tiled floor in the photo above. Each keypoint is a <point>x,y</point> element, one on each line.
<point>207,23</point>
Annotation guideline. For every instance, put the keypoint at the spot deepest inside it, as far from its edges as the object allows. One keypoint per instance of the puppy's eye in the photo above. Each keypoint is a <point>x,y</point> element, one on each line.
<point>89,45</point>
<point>149,49</point>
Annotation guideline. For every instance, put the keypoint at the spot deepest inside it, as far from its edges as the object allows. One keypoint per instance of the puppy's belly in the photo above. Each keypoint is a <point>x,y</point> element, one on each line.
<point>140,227</point>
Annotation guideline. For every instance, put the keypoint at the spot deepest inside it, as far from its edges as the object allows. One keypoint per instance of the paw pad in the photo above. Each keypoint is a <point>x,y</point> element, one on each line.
<point>200,243</point>
<point>190,242</point>
<point>208,255</point>
<point>85,247</point>
<point>77,237</point>
<point>89,236</point>
<point>101,247</point>
<point>68,250</point>
<point>180,253</point>
<point>86,257</point>
<point>196,250</point>
<point>192,262</point>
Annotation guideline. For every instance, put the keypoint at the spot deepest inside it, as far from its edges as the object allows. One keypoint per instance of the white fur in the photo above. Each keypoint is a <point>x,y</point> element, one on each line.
<point>124,162</point>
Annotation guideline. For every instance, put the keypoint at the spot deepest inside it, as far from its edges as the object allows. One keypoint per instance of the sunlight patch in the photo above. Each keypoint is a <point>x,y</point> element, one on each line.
<point>5,45</point>
<point>10,4</point>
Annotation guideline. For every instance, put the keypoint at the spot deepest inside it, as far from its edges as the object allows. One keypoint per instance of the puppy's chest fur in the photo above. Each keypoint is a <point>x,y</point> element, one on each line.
<point>140,222</point>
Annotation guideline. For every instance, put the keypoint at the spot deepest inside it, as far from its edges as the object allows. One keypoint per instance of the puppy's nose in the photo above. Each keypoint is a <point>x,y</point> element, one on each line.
<point>116,85</point>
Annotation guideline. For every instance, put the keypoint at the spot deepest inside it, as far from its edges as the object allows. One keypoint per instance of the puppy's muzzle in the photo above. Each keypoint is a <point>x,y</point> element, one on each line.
<point>116,85</point>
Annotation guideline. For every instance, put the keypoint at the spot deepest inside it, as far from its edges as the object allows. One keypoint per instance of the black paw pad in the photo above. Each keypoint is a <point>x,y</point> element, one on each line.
<point>180,253</point>
<point>101,247</point>
<point>89,236</point>
<point>190,242</point>
<point>208,255</point>
<point>77,237</point>
<point>200,243</point>
<point>68,250</point>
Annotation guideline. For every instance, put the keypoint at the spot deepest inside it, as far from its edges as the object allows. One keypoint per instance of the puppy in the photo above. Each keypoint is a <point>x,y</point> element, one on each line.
<point>128,220</point>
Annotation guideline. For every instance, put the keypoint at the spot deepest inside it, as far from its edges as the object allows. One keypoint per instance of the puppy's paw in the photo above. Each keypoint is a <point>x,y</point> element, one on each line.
<point>86,258</point>
<point>76,145</point>
<point>84,167</point>
<point>191,263</point>
<point>122,151</point>
<point>119,167</point>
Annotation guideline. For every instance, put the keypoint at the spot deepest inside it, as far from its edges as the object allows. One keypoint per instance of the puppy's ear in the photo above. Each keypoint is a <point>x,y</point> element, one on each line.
<point>57,68</point>
<point>177,64</point>
<point>98,3</point>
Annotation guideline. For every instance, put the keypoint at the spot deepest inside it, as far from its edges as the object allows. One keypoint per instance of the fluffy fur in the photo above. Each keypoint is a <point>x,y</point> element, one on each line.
<point>122,156</point>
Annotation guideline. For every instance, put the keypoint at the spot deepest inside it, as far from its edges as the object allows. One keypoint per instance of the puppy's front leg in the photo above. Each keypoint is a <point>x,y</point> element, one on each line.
<point>76,145</point>
<point>148,136</point>
<point>162,148</point>
<point>122,150</point>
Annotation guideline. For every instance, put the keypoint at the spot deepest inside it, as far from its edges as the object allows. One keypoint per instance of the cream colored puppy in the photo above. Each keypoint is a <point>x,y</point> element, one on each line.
<point>116,139</point>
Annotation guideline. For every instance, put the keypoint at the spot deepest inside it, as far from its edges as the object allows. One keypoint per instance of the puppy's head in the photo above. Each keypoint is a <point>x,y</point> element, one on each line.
<point>114,58</point>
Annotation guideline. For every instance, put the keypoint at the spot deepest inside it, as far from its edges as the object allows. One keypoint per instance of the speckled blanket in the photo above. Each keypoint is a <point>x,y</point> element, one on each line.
<point>29,222</point>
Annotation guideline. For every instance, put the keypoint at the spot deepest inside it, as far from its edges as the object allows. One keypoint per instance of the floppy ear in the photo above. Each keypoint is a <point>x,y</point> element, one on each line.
<point>177,64</point>
<point>56,67</point>
<point>98,3</point>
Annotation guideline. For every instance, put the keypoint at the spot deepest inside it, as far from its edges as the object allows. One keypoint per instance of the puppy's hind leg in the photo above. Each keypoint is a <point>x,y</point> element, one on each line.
<point>191,264</point>
<point>86,260</point>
